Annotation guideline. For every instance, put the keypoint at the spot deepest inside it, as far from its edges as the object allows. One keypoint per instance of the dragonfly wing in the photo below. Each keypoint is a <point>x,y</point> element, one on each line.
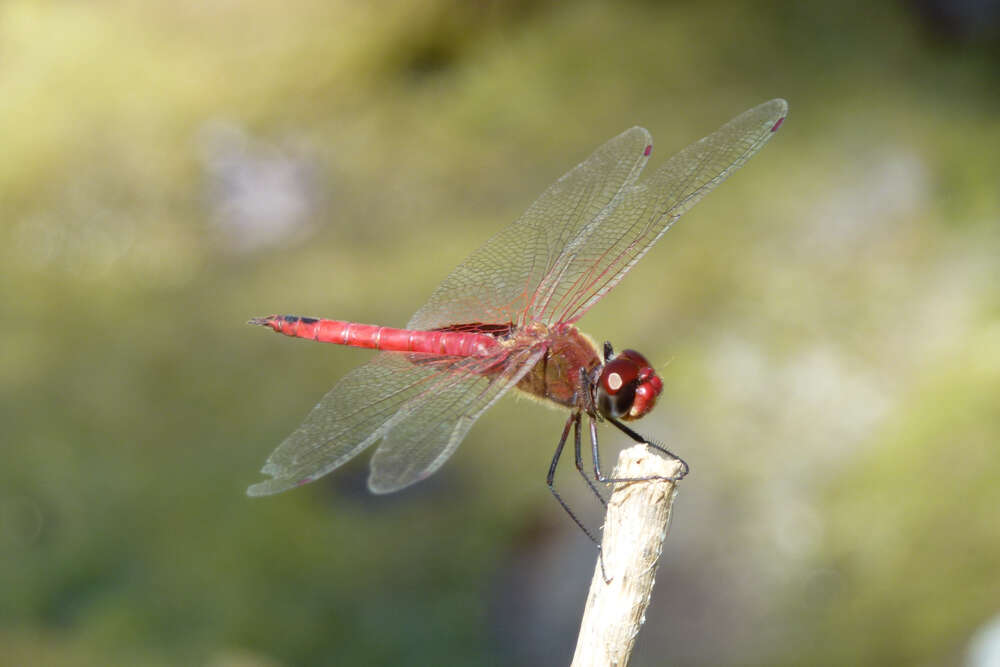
<point>361,408</point>
<point>498,281</point>
<point>428,432</point>
<point>605,250</point>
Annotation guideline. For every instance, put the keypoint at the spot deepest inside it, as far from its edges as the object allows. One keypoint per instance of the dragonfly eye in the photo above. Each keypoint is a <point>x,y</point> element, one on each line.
<point>616,387</point>
<point>628,387</point>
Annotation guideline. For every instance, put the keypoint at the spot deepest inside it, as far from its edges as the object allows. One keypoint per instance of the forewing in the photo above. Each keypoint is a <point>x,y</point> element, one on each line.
<point>498,281</point>
<point>429,431</point>
<point>361,408</point>
<point>599,256</point>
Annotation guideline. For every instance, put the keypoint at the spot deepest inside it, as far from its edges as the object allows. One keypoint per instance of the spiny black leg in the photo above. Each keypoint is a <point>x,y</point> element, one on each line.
<point>599,476</point>
<point>595,454</point>
<point>550,479</point>
<point>608,351</point>
<point>638,438</point>
<point>577,449</point>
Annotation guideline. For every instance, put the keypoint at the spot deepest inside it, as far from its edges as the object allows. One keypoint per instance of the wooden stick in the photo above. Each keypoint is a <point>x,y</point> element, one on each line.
<point>634,530</point>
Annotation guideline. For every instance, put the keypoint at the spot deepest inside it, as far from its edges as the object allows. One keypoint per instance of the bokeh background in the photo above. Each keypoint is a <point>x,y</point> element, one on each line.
<point>827,325</point>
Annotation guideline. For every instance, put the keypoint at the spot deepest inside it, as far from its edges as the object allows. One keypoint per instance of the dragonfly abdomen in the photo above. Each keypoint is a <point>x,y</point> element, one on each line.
<point>339,332</point>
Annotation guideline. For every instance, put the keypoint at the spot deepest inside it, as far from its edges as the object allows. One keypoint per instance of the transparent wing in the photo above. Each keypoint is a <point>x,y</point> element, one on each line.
<point>423,438</point>
<point>589,228</point>
<point>611,244</point>
<point>369,402</point>
<point>498,281</point>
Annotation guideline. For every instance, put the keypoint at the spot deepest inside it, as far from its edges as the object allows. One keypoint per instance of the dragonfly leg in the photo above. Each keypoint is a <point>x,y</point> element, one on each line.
<point>578,452</point>
<point>685,468</point>
<point>574,418</point>
<point>608,351</point>
<point>600,477</point>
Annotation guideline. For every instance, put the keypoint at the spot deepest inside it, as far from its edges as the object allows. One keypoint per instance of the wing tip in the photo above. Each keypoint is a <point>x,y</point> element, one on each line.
<point>641,133</point>
<point>780,105</point>
<point>270,487</point>
<point>257,490</point>
<point>777,109</point>
<point>381,487</point>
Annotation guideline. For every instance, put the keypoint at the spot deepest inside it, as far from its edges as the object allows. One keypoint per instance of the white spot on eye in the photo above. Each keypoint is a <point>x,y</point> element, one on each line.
<point>614,382</point>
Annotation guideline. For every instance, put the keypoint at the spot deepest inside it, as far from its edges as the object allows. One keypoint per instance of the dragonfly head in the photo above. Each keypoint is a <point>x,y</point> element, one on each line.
<point>628,386</point>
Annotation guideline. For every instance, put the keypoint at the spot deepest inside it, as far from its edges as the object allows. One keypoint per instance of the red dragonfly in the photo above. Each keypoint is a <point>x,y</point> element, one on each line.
<point>505,318</point>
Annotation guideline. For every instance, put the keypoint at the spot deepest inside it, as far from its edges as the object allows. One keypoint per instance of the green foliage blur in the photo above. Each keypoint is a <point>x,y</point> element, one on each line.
<point>827,325</point>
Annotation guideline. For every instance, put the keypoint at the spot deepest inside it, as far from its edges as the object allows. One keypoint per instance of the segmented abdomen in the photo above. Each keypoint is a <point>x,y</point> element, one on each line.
<point>452,343</point>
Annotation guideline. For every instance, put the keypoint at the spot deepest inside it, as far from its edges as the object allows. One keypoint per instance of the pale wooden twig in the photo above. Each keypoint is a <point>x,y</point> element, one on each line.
<point>634,530</point>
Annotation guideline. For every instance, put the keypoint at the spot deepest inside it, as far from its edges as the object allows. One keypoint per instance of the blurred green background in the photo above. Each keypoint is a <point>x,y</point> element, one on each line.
<point>827,325</point>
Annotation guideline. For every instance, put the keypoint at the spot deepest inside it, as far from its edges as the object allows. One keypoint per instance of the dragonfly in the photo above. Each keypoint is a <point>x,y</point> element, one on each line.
<point>506,319</point>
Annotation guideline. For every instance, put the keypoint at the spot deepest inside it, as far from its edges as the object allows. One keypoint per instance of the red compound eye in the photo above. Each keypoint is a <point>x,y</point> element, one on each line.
<point>616,387</point>
<point>628,387</point>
